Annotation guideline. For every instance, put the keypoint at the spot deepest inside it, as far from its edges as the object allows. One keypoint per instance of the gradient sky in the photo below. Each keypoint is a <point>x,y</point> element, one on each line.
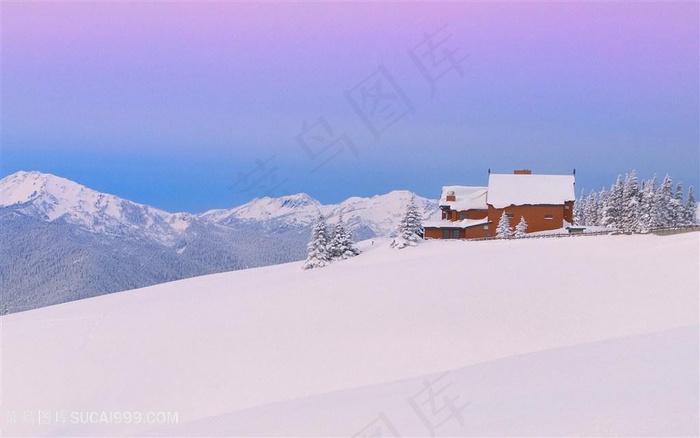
<point>188,106</point>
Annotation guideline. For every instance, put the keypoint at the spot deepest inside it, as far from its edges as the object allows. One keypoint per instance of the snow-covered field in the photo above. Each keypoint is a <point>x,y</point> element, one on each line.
<point>571,336</point>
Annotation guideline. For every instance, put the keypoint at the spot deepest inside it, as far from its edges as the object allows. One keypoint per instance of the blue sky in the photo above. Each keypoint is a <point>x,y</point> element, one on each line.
<point>190,106</point>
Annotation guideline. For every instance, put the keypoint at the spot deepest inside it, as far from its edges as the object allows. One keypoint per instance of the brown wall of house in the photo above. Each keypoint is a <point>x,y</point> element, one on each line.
<point>475,214</point>
<point>477,232</point>
<point>534,216</point>
<point>467,233</point>
<point>453,215</point>
<point>569,211</point>
<point>432,233</point>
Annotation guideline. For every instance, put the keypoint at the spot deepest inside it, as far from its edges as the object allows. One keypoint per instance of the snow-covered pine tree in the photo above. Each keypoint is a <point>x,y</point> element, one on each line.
<point>591,210</point>
<point>503,230</point>
<point>580,210</point>
<point>341,246</point>
<point>663,213</point>
<point>612,209</point>
<point>646,205</point>
<point>317,247</point>
<point>520,229</point>
<point>602,200</point>
<point>629,220</point>
<point>678,206</point>
<point>691,208</point>
<point>410,230</point>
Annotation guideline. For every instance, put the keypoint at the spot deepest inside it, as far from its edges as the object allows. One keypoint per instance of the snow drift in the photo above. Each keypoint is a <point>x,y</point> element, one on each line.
<point>570,336</point>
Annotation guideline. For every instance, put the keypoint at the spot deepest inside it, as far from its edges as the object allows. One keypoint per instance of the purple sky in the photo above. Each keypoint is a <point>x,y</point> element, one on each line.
<point>173,104</point>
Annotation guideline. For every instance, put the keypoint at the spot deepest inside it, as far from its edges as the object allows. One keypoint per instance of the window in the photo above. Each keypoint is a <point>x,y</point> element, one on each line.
<point>509,215</point>
<point>566,207</point>
<point>455,234</point>
<point>462,216</point>
<point>445,234</point>
<point>486,227</point>
<point>548,216</point>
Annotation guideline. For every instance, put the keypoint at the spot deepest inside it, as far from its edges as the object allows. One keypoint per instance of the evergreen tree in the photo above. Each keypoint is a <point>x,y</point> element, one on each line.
<point>341,245</point>
<point>677,206</point>
<point>612,210</point>
<point>691,208</point>
<point>591,210</point>
<point>580,210</point>
<point>663,214</point>
<point>629,219</point>
<point>520,229</point>
<point>503,230</point>
<point>317,247</point>
<point>646,205</point>
<point>410,230</point>
<point>602,200</point>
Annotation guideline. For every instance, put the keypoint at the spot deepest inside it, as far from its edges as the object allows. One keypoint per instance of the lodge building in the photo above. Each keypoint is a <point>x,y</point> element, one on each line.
<point>545,201</point>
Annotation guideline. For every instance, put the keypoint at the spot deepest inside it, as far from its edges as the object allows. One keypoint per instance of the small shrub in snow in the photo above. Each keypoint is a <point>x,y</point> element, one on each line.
<point>520,229</point>
<point>341,246</point>
<point>410,230</point>
<point>317,247</point>
<point>503,230</point>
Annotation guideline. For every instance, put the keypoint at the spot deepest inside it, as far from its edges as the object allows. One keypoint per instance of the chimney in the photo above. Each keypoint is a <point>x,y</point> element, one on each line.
<point>450,196</point>
<point>522,172</point>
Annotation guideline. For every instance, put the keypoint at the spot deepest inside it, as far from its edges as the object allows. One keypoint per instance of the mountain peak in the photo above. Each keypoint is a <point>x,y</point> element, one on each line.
<point>50,197</point>
<point>22,187</point>
<point>297,200</point>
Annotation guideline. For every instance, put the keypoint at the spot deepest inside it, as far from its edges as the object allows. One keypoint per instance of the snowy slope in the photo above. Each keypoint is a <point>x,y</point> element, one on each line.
<point>571,336</point>
<point>50,197</point>
<point>524,395</point>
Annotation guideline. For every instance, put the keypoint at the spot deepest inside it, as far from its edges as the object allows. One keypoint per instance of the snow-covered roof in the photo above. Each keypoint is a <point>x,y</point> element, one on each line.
<point>511,189</point>
<point>464,223</point>
<point>466,198</point>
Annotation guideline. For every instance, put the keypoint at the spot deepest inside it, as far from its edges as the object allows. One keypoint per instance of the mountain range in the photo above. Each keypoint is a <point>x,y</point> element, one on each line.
<point>62,241</point>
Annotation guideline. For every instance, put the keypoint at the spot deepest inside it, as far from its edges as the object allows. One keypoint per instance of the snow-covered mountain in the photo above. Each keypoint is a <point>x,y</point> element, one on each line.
<point>49,197</point>
<point>366,217</point>
<point>428,341</point>
<point>63,241</point>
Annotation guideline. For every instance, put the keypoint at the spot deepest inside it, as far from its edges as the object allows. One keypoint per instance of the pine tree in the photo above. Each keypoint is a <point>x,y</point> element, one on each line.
<point>503,230</point>
<point>677,206</point>
<point>410,230</point>
<point>612,210</point>
<point>341,246</point>
<point>591,210</point>
<point>629,219</point>
<point>663,214</point>
<point>691,208</point>
<point>317,247</point>
<point>580,210</point>
<point>602,200</point>
<point>646,205</point>
<point>520,229</point>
